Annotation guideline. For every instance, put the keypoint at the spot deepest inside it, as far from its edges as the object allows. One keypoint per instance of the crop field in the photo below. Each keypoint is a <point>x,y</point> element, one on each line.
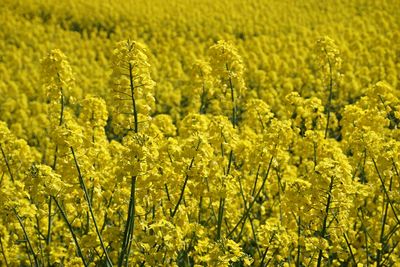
<point>200,133</point>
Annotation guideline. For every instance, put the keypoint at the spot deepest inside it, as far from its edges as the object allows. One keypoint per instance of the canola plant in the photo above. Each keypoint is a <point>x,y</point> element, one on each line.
<point>199,133</point>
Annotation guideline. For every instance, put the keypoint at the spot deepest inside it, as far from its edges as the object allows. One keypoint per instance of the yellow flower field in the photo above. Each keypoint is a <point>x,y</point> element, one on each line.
<point>199,133</point>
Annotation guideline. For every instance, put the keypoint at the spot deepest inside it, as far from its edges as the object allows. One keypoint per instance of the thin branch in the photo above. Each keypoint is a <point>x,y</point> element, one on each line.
<point>2,252</point>
<point>7,163</point>
<point>330,96</point>
<point>247,211</point>
<point>27,238</point>
<point>324,224</point>
<point>83,186</point>
<point>184,184</point>
<point>64,215</point>
<point>350,250</point>
<point>385,191</point>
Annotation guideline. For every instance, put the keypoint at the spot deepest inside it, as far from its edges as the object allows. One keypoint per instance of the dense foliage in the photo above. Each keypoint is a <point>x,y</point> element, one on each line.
<point>199,133</point>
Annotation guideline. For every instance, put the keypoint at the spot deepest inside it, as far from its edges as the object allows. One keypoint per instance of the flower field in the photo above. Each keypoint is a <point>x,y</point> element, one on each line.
<point>200,133</point>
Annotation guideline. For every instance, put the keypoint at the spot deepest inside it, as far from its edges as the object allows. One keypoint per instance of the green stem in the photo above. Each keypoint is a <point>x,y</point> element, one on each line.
<point>329,97</point>
<point>298,243</point>
<point>382,237</point>
<point>256,180</point>
<point>385,191</point>
<point>181,194</point>
<point>390,234</point>
<point>62,105</point>
<point>203,97</point>
<point>324,224</point>
<point>78,247</point>
<point>130,225</point>
<point>234,108</point>
<point>87,197</point>
<point>251,220</point>
<point>49,222</point>
<point>381,240</point>
<point>7,163</point>
<point>350,250</point>
<point>221,207</point>
<point>132,88</point>
<point>184,184</point>
<point>247,211</point>
<point>200,210</point>
<point>390,253</point>
<point>2,252</point>
<point>220,217</point>
<point>279,194</point>
<point>27,238</point>
<point>395,169</point>
<point>366,234</point>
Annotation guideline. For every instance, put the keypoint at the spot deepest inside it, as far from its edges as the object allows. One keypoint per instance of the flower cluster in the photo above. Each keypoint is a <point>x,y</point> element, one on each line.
<point>240,138</point>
